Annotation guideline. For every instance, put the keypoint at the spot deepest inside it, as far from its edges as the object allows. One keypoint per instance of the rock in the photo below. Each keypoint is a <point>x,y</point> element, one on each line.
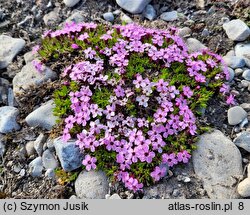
<point>149,12</point>
<point>194,45</point>
<point>109,17</point>
<point>2,146</point>
<point>115,196</point>
<point>42,116</point>
<point>231,74</point>
<point>49,160</point>
<point>30,76</point>
<point>200,4</point>
<point>217,161</point>
<point>11,98</point>
<point>243,123</point>
<point>236,30</point>
<point>91,185</point>
<point>244,84</point>
<point>4,87</point>
<point>133,6</point>
<point>230,53</point>
<point>185,32</point>
<point>39,142</point>
<point>125,18</point>
<point>52,18</point>
<point>234,62</point>
<point>244,188</point>
<point>169,16</point>
<point>69,154</point>
<point>8,122</point>
<point>76,17</point>
<point>243,50</point>
<point>238,71</point>
<point>36,167</point>
<point>9,48</point>
<point>29,57</point>
<point>50,173</point>
<point>30,148</point>
<point>246,75</point>
<point>236,115</point>
<point>70,3</point>
<point>205,32</point>
<point>243,140</point>
<point>246,106</point>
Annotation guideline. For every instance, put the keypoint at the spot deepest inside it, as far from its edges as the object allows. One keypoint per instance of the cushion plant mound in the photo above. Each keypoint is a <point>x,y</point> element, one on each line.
<point>130,96</point>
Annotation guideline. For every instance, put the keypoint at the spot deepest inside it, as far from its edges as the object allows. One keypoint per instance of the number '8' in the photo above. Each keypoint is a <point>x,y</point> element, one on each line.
<point>241,206</point>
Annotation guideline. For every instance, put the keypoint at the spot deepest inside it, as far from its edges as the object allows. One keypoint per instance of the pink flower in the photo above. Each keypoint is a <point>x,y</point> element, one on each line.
<point>183,156</point>
<point>83,36</point>
<point>230,100</point>
<point>143,100</point>
<point>89,162</point>
<point>158,173</point>
<point>169,159</point>
<point>74,46</point>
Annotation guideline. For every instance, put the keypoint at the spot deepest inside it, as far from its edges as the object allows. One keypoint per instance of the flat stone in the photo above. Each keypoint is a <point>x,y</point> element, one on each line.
<point>133,6</point>
<point>49,160</point>
<point>244,188</point>
<point>236,115</point>
<point>236,30</point>
<point>149,12</point>
<point>169,16</point>
<point>8,122</point>
<point>30,76</point>
<point>76,17</point>
<point>91,185</point>
<point>9,48</point>
<point>243,140</point>
<point>217,161</point>
<point>36,167</point>
<point>109,16</point>
<point>39,142</point>
<point>42,116</point>
<point>243,50</point>
<point>70,3</point>
<point>194,45</point>
<point>68,154</point>
<point>234,62</point>
<point>246,74</point>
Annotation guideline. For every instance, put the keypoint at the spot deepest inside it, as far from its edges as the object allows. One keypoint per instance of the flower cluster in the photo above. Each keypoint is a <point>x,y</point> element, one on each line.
<point>138,89</point>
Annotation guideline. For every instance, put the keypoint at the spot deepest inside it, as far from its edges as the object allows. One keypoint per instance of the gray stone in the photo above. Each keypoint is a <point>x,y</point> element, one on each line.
<point>231,74</point>
<point>2,146</point>
<point>42,116</point>
<point>169,16</point>
<point>236,115</point>
<point>115,196</point>
<point>49,160</point>
<point>243,50</point>
<point>30,148</point>
<point>133,6</point>
<point>236,30</point>
<point>69,154</point>
<point>30,76</point>
<point>109,16</point>
<point>243,123</point>
<point>29,57</point>
<point>8,122</point>
<point>194,45</point>
<point>125,18</point>
<point>244,188</point>
<point>230,53</point>
<point>76,17</point>
<point>9,48</point>
<point>244,84</point>
<point>11,98</point>
<point>246,75</point>
<point>238,71</point>
<point>39,142</point>
<point>50,173</point>
<point>234,62</point>
<point>52,18</point>
<point>205,32</point>
<point>36,167</point>
<point>217,161</point>
<point>246,106</point>
<point>243,140</point>
<point>70,3</point>
<point>185,32</point>
<point>149,12</point>
<point>4,86</point>
<point>91,185</point>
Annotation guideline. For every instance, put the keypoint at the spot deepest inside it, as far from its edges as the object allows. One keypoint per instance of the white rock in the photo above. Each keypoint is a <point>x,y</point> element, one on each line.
<point>244,188</point>
<point>91,185</point>
<point>236,115</point>
<point>108,16</point>
<point>133,6</point>
<point>234,62</point>
<point>243,50</point>
<point>70,3</point>
<point>169,16</point>
<point>8,122</point>
<point>236,30</point>
<point>217,161</point>
<point>194,45</point>
<point>125,18</point>
<point>149,12</point>
<point>39,142</point>
<point>246,74</point>
<point>36,167</point>
<point>30,148</point>
<point>49,160</point>
<point>42,116</point>
<point>30,76</point>
<point>9,48</point>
